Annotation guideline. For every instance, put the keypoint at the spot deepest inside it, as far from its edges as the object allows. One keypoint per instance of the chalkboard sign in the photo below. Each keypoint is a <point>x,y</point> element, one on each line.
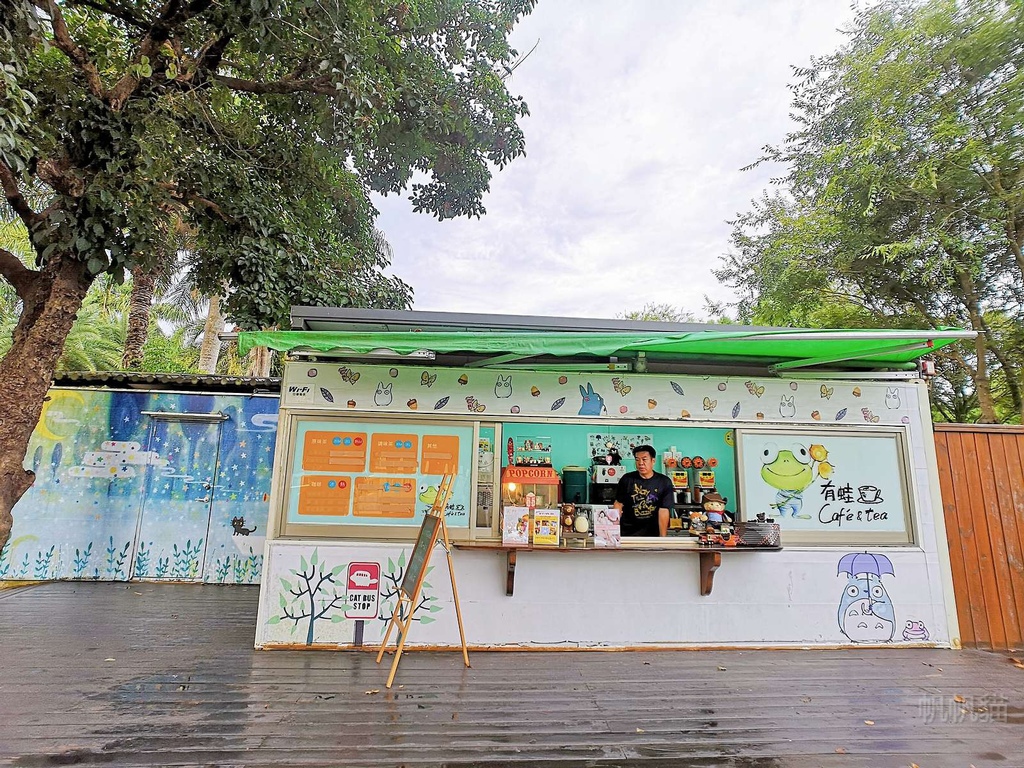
<point>421,553</point>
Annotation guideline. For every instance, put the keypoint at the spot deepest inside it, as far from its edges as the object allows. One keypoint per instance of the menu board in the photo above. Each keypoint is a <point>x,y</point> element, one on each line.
<point>378,473</point>
<point>325,495</point>
<point>334,451</point>
<point>826,484</point>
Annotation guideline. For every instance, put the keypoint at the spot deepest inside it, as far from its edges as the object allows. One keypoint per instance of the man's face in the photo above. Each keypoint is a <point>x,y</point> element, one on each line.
<point>644,464</point>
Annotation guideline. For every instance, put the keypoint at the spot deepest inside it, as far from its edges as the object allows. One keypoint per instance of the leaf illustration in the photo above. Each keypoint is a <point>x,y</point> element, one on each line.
<point>426,619</point>
<point>440,403</point>
<point>401,559</point>
<point>736,410</point>
<point>274,620</point>
<point>841,415</point>
<point>678,390</point>
<point>326,394</point>
<point>558,404</point>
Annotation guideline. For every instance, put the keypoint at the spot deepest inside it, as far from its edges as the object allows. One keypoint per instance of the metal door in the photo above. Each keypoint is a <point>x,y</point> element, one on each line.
<point>174,521</point>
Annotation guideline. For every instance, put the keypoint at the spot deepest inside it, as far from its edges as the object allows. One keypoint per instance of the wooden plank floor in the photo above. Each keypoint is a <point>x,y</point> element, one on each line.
<point>153,674</point>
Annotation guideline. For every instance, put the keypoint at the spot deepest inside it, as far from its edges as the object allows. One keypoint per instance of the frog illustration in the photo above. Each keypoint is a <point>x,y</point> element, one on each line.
<point>428,494</point>
<point>789,472</point>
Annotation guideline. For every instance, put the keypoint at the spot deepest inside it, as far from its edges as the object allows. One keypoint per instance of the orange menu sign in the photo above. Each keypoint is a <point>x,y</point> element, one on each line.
<point>394,453</point>
<point>324,495</point>
<point>440,454</point>
<point>385,497</point>
<point>334,451</point>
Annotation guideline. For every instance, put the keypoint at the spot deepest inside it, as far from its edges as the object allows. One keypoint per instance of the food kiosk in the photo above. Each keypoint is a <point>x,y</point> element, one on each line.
<point>818,444</point>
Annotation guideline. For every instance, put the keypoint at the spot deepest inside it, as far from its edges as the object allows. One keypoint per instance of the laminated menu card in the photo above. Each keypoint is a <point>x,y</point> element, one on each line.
<point>546,527</point>
<point>606,527</point>
<point>515,526</point>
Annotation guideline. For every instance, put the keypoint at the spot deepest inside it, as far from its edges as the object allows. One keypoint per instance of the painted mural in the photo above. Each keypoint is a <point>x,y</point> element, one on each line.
<point>332,595</point>
<point>123,495</point>
<point>493,394</point>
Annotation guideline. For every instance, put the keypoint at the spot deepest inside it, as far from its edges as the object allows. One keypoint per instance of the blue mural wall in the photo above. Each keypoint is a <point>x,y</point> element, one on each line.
<point>123,495</point>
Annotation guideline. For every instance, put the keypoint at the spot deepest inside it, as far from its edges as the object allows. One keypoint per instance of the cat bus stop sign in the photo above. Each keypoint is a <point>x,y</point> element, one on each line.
<point>363,590</point>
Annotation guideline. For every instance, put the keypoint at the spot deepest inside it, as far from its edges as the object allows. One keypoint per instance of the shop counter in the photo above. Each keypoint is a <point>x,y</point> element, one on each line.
<point>709,558</point>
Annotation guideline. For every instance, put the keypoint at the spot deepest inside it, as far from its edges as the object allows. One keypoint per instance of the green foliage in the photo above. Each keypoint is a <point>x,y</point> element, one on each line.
<point>261,127</point>
<point>902,202</point>
<point>169,353</point>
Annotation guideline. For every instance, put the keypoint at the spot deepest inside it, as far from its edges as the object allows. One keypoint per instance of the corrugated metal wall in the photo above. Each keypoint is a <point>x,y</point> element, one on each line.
<point>981,472</point>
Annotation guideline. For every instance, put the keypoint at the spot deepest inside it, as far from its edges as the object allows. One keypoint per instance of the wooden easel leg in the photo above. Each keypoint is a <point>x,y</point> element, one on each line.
<point>455,593</point>
<point>403,634</point>
<point>391,625</point>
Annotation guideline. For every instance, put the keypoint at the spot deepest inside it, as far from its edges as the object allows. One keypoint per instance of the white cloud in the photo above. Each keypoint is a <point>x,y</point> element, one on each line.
<point>642,114</point>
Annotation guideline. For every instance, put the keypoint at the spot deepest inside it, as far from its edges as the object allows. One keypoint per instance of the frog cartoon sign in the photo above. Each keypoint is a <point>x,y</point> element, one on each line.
<point>813,481</point>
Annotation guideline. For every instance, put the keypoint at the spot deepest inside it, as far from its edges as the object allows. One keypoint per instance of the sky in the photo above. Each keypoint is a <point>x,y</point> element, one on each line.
<point>642,114</point>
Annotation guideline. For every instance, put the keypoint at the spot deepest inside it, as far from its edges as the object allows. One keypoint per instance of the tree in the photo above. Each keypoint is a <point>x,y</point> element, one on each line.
<point>902,203</point>
<point>262,124</point>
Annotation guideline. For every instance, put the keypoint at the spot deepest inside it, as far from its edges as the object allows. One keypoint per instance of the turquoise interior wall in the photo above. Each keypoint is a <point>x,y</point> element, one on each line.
<point>570,445</point>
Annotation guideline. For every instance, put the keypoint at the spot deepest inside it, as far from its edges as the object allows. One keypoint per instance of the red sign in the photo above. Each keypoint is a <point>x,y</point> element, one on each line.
<point>363,590</point>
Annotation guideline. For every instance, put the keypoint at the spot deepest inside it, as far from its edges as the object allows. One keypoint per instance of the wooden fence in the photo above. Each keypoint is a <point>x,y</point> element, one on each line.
<point>981,473</point>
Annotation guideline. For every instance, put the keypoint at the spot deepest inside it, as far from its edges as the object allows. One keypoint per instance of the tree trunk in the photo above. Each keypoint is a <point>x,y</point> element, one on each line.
<point>258,361</point>
<point>210,350</point>
<point>139,310</point>
<point>50,306</point>
<point>982,383</point>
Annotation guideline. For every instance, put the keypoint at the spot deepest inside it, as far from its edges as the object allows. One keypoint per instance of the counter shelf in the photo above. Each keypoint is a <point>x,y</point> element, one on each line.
<point>709,561</point>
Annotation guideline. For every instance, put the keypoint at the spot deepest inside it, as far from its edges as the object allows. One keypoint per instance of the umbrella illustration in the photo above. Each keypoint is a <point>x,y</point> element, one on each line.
<point>865,562</point>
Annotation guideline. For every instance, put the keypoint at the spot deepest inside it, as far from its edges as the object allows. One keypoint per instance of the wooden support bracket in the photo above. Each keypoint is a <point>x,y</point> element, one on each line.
<point>709,562</point>
<point>510,578</point>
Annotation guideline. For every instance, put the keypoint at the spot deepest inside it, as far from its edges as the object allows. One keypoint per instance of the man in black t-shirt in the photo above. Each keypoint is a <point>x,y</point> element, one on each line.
<point>644,497</point>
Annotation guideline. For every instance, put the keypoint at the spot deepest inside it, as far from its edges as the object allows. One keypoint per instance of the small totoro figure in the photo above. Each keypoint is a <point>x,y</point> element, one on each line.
<point>382,396</point>
<point>787,408</point>
<point>503,386</point>
<point>892,398</point>
<point>238,523</point>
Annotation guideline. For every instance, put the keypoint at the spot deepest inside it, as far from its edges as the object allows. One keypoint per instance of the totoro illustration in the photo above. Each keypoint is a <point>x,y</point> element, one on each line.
<point>787,408</point>
<point>382,396</point>
<point>503,386</point>
<point>866,613</point>
<point>593,403</point>
<point>892,398</point>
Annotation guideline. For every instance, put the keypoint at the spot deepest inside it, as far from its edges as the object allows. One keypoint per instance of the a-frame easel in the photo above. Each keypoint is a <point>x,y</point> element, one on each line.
<point>409,592</point>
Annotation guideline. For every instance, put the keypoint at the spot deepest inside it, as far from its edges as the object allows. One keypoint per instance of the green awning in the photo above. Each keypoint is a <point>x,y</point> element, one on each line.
<point>779,349</point>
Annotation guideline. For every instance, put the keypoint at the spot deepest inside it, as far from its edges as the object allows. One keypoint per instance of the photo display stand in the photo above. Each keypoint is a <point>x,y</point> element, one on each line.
<point>408,593</point>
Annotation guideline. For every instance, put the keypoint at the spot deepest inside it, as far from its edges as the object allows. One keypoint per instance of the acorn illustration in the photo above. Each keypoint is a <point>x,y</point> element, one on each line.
<point>463,379</point>
<point>351,403</point>
<point>652,403</point>
<point>413,404</point>
<point>534,391</point>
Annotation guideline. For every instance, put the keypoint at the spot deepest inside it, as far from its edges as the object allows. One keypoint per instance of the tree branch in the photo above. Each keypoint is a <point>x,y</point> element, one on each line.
<point>319,85</point>
<point>17,201</point>
<point>17,274</point>
<point>122,12</point>
<point>64,42</point>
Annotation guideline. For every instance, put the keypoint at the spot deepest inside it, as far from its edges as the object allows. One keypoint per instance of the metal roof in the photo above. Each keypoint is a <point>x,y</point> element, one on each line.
<point>188,382</point>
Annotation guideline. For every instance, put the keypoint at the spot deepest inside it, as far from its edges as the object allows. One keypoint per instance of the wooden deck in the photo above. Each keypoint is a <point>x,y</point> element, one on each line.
<point>156,674</point>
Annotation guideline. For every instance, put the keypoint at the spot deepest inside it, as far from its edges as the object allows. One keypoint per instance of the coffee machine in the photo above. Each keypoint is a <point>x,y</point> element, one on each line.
<point>603,480</point>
